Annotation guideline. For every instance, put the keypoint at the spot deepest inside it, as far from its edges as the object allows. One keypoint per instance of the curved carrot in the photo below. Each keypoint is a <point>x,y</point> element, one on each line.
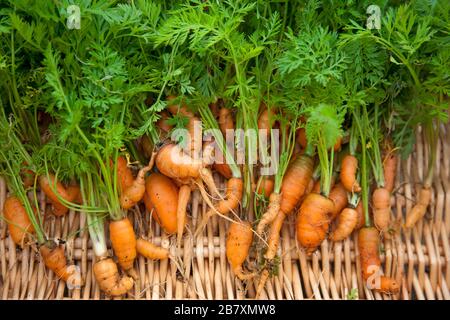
<point>271,213</point>
<point>419,209</point>
<point>123,241</point>
<point>55,259</point>
<point>348,173</point>
<point>163,195</point>
<point>19,224</point>
<point>239,241</point>
<point>368,245</point>
<point>347,221</point>
<point>107,276</point>
<point>381,200</point>
<point>339,197</point>
<point>313,221</point>
<point>150,251</point>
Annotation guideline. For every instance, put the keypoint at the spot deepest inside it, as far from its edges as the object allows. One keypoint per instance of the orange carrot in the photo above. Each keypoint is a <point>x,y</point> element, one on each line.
<point>390,169</point>
<point>265,186</point>
<point>123,240</point>
<point>55,259</point>
<point>48,184</point>
<point>172,162</point>
<point>27,176</point>
<point>339,197</point>
<point>124,175</point>
<point>150,251</point>
<point>347,221</point>
<point>361,218</point>
<point>163,195</point>
<point>419,209</point>
<point>107,276</point>
<point>264,121</point>
<point>239,241</point>
<point>184,195</point>
<point>272,211</point>
<point>134,193</point>
<point>313,221</point>
<point>338,144</point>
<point>381,200</point>
<point>348,173</point>
<point>225,120</point>
<point>19,224</point>
<point>368,245</point>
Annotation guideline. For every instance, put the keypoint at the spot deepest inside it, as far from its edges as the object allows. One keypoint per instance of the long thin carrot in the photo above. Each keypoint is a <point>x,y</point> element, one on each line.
<point>313,221</point>
<point>368,245</point>
<point>163,195</point>
<point>239,241</point>
<point>348,173</point>
<point>184,195</point>
<point>419,209</point>
<point>109,280</point>
<point>123,240</point>
<point>19,224</point>
<point>151,251</point>
<point>55,259</point>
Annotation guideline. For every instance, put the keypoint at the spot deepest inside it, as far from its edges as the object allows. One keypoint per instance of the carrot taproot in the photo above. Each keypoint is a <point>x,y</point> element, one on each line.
<point>361,218</point>
<point>123,241</point>
<point>233,196</point>
<point>184,195</point>
<point>347,220</point>
<point>225,120</point>
<point>313,221</point>
<point>19,224</point>
<point>124,174</point>
<point>151,251</point>
<point>381,201</point>
<point>420,208</point>
<point>163,195</point>
<point>348,173</point>
<point>134,193</point>
<point>107,275</point>
<point>273,238</point>
<point>338,195</point>
<point>368,245</point>
<point>390,169</point>
<point>55,259</point>
<point>239,241</point>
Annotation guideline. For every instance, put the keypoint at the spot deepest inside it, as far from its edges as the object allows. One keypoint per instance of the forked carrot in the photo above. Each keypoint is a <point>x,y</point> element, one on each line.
<point>108,278</point>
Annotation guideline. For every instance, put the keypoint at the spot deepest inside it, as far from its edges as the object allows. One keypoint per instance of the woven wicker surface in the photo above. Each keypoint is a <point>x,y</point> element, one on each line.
<point>419,259</point>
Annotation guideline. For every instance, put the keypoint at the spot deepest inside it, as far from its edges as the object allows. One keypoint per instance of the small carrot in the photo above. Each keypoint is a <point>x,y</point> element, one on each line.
<point>55,259</point>
<point>338,195</point>
<point>347,221</point>
<point>381,200</point>
<point>19,224</point>
<point>109,280</point>
<point>361,218</point>
<point>368,245</point>
<point>184,195</point>
<point>123,240</point>
<point>134,193</point>
<point>313,221</point>
<point>163,195</point>
<point>150,251</point>
<point>124,174</point>
<point>225,120</point>
<point>348,173</point>
<point>390,169</point>
<point>239,241</point>
<point>264,121</point>
<point>419,209</point>
<point>48,183</point>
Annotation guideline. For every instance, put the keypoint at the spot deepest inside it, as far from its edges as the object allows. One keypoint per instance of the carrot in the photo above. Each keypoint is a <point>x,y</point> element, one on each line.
<point>295,182</point>
<point>19,224</point>
<point>381,200</point>
<point>265,186</point>
<point>123,240</point>
<point>368,245</point>
<point>233,196</point>
<point>313,221</point>
<point>390,169</point>
<point>339,197</point>
<point>225,120</point>
<point>172,162</point>
<point>134,193</point>
<point>316,188</point>
<point>347,221</point>
<point>271,213</point>
<point>274,236</point>
<point>48,184</point>
<point>55,259</point>
<point>361,218</point>
<point>27,176</point>
<point>419,209</point>
<point>348,173</point>
<point>239,241</point>
<point>124,175</point>
<point>149,206</point>
<point>337,146</point>
<point>184,195</point>
<point>150,251</point>
<point>163,194</point>
<point>107,276</point>
<point>162,122</point>
<point>264,121</point>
